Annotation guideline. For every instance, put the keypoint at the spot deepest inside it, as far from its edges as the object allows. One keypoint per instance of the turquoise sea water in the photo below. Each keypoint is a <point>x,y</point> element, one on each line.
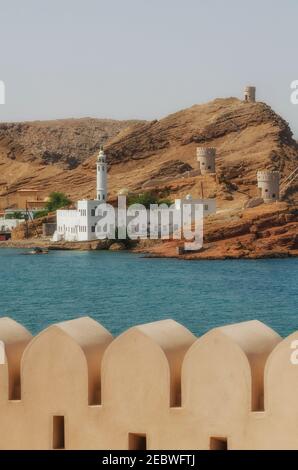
<point>123,289</point>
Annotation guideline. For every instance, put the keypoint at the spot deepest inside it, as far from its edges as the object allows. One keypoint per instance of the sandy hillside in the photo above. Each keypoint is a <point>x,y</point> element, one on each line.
<point>60,155</point>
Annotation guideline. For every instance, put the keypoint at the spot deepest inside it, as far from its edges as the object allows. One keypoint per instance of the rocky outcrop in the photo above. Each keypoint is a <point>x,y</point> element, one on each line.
<point>32,228</point>
<point>253,202</point>
<point>172,168</point>
<point>265,231</point>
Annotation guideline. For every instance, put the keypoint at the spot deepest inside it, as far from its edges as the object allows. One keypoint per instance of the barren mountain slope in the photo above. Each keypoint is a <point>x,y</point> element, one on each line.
<point>247,137</point>
<point>158,154</point>
<point>32,154</point>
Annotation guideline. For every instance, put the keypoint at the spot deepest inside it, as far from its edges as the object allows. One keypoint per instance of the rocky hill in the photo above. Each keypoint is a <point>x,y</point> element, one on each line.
<point>266,231</point>
<point>247,137</point>
<point>65,142</point>
<point>32,154</point>
<point>60,155</point>
<point>160,156</point>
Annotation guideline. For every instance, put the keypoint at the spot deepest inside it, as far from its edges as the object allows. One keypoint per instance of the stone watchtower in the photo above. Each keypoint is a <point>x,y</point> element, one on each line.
<point>206,159</point>
<point>250,94</point>
<point>268,184</point>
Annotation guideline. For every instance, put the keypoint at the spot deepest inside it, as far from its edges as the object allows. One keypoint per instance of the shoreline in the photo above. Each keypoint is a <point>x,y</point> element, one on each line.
<point>263,232</point>
<point>98,245</point>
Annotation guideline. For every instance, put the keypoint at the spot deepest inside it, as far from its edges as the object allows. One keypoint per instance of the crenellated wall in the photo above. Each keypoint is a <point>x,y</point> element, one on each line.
<point>155,386</point>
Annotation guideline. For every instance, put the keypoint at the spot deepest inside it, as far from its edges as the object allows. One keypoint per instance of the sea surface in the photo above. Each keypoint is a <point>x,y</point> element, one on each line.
<point>123,289</point>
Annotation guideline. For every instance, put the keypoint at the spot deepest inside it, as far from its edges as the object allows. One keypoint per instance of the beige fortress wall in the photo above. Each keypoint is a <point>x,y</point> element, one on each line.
<point>155,386</point>
<point>223,380</point>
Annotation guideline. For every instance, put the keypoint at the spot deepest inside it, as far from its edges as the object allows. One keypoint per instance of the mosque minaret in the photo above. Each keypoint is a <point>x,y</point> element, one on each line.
<point>101,178</point>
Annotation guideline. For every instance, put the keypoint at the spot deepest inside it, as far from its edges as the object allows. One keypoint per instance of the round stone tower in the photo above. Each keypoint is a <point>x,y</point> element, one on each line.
<point>268,184</point>
<point>250,94</point>
<point>206,159</point>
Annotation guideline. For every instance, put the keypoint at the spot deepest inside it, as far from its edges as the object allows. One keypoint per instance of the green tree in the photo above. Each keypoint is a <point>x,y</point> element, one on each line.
<point>146,199</point>
<point>56,201</point>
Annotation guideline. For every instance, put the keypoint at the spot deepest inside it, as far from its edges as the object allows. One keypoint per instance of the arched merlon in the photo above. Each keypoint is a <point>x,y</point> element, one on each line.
<point>66,359</point>
<point>222,373</point>
<point>93,339</point>
<point>142,367</point>
<point>281,381</point>
<point>15,339</point>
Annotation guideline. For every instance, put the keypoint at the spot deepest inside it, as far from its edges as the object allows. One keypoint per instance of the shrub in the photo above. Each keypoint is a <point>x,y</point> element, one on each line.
<point>146,199</point>
<point>56,201</point>
<point>39,214</point>
<point>15,215</point>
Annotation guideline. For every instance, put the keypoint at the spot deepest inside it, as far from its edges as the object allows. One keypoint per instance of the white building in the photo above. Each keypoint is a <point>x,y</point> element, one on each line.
<point>79,224</point>
<point>7,225</point>
<point>82,223</point>
<point>177,218</point>
<point>209,205</point>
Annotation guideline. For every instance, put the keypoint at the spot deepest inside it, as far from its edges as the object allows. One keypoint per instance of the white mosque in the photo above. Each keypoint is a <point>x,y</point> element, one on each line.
<point>79,224</point>
<point>82,223</point>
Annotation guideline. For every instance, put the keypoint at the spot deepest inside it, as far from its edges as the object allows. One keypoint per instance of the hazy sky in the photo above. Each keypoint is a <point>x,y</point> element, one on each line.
<point>144,58</point>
